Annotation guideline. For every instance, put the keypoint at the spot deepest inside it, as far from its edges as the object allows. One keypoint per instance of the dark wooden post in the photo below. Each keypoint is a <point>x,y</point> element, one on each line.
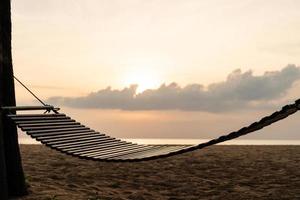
<point>13,175</point>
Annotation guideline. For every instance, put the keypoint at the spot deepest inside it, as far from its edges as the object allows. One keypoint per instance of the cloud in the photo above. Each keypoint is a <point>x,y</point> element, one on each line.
<point>241,90</point>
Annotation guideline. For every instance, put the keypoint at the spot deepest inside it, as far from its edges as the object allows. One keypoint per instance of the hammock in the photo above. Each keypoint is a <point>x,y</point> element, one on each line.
<point>60,132</point>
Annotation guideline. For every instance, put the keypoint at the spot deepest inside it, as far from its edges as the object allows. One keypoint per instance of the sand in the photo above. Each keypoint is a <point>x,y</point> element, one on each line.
<point>219,172</point>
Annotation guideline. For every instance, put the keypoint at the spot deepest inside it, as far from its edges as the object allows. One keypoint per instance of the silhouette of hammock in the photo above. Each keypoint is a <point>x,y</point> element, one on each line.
<point>60,132</point>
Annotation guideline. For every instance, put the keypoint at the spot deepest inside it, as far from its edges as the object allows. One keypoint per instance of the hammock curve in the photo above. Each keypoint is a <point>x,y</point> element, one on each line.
<point>64,134</point>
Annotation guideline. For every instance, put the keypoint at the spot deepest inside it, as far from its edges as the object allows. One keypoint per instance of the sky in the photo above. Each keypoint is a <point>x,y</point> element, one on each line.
<point>171,69</point>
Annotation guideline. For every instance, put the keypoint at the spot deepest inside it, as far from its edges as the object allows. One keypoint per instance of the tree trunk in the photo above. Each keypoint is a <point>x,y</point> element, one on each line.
<point>3,179</point>
<point>3,182</point>
<point>14,172</point>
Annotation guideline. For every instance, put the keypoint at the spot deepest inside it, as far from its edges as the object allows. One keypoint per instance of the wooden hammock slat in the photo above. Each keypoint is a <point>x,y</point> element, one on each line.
<point>59,130</point>
<point>69,135</point>
<point>143,152</point>
<point>106,155</point>
<point>19,123</point>
<point>39,118</point>
<point>74,139</point>
<point>167,150</point>
<point>104,152</point>
<point>96,145</point>
<point>110,149</point>
<point>154,149</point>
<point>118,153</point>
<point>52,128</point>
<point>107,149</point>
<point>22,108</point>
<point>86,145</point>
<point>13,116</point>
<point>110,145</point>
<point>81,143</point>
<point>59,133</point>
<point>42,125</point>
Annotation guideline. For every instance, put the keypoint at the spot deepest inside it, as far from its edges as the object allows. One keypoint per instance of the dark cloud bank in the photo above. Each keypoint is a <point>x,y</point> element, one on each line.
<point>241,90</point>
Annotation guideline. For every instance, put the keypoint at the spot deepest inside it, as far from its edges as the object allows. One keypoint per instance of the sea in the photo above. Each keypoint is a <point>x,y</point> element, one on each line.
<point>27,140</point>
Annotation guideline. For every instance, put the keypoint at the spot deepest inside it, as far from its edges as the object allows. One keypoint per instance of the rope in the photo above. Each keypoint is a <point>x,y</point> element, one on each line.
<point>285,112</point>
<point>30,91</point>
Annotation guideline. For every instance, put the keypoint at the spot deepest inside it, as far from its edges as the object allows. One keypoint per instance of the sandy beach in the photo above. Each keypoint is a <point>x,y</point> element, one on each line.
<point>219,172</point>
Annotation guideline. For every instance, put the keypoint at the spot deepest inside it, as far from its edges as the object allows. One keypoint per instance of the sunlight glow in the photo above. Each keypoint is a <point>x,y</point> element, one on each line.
<point>145,78</point>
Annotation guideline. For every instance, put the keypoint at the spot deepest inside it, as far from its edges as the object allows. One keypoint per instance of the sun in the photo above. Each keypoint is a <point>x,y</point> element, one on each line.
<point>145,78</point>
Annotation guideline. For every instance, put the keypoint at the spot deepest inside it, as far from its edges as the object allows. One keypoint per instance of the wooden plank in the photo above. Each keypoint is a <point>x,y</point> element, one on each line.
<point>83,144</point>
<point>58,130</point>
<point>163,151</point>
<point>43,121</point>
<point>121,153</point>
<point>143,153</point>
<point>59,133</point>
<point>106,148</point>
<point>171,148</point>
<point>92,145</point>
<point>113,151</point>
<point>167,150</point>
<point>117,153</point>
<point>51,128</point>
<point>80,143</point>
<point>38,118</point>
<point>74,139</point>
<point>16,108</point>
<point>134,155</point>
<point>115,156</point>
<point>160,149</point>
<point>100,146</point>
<point>67,135</point>
<point>35,115</point>
<point>47,124</point>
